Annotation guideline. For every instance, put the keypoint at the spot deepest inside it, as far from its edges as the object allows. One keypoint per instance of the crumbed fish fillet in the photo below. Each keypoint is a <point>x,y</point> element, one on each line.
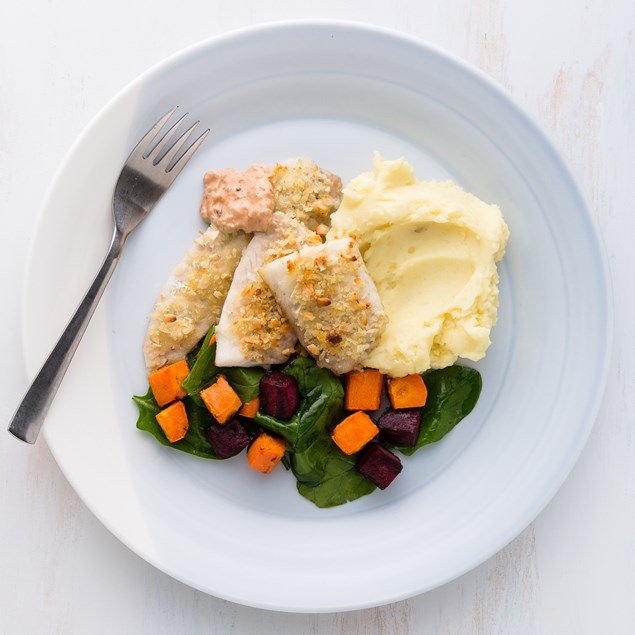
<point>331,301</point>
<point>305,191</point>
<point>192,298</point>
<point>252,330</point>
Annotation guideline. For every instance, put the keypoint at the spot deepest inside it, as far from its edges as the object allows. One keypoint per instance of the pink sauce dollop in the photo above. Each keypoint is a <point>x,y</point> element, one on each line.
<point>236,200</point>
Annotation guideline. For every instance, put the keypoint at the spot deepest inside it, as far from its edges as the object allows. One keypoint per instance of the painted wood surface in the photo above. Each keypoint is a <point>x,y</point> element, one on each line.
<point>571,65</point>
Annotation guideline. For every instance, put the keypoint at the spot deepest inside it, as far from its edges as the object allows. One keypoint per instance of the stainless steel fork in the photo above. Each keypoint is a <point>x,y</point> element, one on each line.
<point>150,169</point>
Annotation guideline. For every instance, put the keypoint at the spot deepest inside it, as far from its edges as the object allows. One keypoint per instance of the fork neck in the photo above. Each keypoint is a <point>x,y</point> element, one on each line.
<point>116,242</point>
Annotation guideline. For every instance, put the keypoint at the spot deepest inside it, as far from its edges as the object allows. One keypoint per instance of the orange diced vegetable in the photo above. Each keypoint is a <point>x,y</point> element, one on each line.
<point>363,389</point>
<point>265,452</point>
<point>166,382</point>
<point>250,408</point>
<point>212,340</point>
<point>221,400</point>
<point>352,434</point>
<point>407,392</point>
<point>173,421</point>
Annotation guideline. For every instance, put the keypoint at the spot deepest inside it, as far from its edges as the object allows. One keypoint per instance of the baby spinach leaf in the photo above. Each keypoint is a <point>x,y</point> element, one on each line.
<point>452,395</point>
<point>310,463</point>
<point>194,442</point>
<point>341,482</point>
<point>204,370</point>
<point>192,356</point>
<point>148,410</point>
<point>245,381</point>
<point>280,427</point>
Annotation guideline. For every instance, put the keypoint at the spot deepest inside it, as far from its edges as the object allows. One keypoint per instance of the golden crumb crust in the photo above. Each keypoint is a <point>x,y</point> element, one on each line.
<point>260,324</point>
<point>330,300</point>
<point>306,192</point>
<point>192,298</point>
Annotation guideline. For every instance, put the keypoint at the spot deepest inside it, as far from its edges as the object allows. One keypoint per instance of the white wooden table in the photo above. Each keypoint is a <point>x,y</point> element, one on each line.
<point>572,66</point>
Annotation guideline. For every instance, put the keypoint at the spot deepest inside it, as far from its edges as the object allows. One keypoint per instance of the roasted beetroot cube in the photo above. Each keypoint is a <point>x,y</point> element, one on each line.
<point>228,439</point>
<point>279,394</point>
<point>400,426</point>
<point>378,465</point>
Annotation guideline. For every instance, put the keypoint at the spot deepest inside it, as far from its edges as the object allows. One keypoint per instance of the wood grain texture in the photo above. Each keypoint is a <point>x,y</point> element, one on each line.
<point>571,66</point>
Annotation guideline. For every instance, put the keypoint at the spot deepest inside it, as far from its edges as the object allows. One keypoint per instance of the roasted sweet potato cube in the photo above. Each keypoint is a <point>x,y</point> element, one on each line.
<point>352,434</point>
<point>363,389</point>
<point>166,382</point>
<point>250,408</point>
<point>221,400</point>
<point>378,465</point>
<point>407,392</point>
<point>400,426</point>
<point>265,452</point>
<point>173,421</point>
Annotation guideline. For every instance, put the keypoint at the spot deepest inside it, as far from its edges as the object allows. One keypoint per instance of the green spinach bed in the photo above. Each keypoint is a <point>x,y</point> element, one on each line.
<point>325,475</point>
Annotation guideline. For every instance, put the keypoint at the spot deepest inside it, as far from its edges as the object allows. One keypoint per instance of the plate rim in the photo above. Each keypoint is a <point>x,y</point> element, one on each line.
<point>565,467</point>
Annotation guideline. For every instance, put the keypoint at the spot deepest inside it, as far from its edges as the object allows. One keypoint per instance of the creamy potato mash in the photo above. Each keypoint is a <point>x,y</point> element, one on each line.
<point>431,249</point>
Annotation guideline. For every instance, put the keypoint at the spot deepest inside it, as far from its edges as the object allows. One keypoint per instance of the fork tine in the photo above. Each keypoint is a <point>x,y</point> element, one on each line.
<point>163,143</point>
<point>187,155</point>
<point>141,147</point>
<point>177,145</point>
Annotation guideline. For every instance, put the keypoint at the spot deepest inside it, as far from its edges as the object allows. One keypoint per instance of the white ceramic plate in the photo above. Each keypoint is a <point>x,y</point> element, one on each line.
<point>334,92</point>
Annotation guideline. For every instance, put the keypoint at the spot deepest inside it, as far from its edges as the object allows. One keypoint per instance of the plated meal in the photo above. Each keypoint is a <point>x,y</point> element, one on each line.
<point>333,92</point>
<point>318,326</point>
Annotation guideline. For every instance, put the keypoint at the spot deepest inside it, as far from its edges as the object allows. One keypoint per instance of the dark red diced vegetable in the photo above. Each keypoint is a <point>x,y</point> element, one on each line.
<point>228,439</point>
<point>400,426</point>
<point>279,394</point>
<point>378,465</point>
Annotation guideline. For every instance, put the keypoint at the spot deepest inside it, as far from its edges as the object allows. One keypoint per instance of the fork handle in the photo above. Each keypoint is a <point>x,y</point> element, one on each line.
<point>28,418</point>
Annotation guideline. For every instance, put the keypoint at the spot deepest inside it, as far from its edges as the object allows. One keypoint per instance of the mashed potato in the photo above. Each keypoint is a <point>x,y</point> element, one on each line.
<point>431,249</point>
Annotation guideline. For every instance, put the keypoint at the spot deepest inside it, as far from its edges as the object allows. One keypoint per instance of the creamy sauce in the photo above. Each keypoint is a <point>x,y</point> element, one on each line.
<point>236,200</point>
